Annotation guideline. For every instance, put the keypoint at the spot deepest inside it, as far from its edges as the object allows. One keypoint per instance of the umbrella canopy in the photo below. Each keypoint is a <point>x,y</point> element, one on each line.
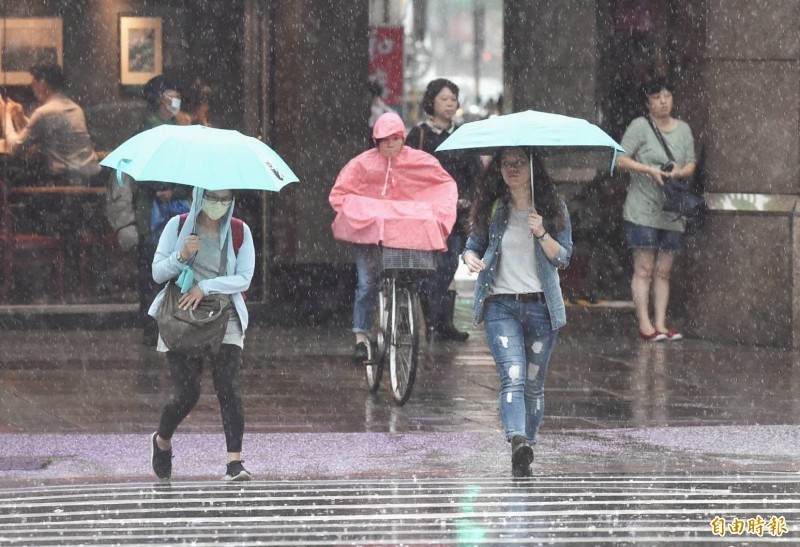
<point>548,133</point>
<point>553,133</point>
<point>209,158</point>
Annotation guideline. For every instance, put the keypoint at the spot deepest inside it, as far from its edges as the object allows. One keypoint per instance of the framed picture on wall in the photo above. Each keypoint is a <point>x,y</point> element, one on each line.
<point>140,51</point>
<point>27,41</point>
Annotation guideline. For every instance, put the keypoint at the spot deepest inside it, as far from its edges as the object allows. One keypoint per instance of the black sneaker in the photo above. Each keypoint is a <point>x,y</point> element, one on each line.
<point>521,457</point>
<point>237,472</point>
<point>449,333</point>
<point>362,353</point>
<point>160,459</point>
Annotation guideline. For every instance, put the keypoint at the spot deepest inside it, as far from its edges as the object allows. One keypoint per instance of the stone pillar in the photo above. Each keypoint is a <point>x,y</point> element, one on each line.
<point>551,56</point>
<point>741,272</point>
<point>320,120</point>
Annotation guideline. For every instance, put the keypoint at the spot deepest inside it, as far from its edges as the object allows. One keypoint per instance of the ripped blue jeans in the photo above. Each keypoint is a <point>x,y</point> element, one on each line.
<point>521,340</point>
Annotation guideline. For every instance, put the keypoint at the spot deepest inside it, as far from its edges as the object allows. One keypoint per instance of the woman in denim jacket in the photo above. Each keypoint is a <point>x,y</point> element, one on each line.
<point>517,245</point>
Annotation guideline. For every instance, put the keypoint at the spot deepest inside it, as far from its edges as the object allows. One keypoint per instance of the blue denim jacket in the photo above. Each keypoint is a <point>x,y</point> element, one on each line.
<point>488,247</point>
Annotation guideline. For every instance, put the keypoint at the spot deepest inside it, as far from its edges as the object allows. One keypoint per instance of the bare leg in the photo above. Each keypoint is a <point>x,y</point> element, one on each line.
<point>643,260</point>
<point>661,272</point>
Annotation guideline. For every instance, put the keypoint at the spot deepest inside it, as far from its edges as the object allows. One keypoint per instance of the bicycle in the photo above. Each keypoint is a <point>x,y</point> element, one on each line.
<point>396,327</point>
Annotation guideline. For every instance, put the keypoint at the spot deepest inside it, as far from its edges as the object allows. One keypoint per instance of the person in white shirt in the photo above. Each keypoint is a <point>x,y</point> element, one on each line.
<point>56,132</point>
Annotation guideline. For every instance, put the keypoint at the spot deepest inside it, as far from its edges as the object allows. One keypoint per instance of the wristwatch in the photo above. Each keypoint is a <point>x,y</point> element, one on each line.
<point>178,256</point>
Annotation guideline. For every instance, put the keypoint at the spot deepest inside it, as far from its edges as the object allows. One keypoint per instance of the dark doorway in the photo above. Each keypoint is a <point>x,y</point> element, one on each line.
<point>634,39</point>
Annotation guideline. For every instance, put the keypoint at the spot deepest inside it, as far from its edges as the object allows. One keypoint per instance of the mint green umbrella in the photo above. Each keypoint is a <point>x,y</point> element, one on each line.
<point>553,133</point>
<point>209,158</point>
<point>548,133</point>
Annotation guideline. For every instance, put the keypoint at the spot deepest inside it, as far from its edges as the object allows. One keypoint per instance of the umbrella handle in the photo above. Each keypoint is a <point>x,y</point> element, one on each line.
<point>530,158</point>
<point>120,180</point>
<point>533,207</point>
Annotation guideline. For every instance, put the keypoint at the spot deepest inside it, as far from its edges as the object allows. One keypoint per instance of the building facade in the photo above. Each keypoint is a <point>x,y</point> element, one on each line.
<point>294,74</point>
<point>736,66</point>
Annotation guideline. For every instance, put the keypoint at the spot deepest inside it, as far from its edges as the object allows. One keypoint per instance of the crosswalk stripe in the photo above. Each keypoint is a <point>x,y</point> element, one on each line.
<point>664,509</point>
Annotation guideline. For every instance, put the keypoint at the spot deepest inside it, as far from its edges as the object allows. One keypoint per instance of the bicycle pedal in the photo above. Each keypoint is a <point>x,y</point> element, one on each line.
<point>362,353</point>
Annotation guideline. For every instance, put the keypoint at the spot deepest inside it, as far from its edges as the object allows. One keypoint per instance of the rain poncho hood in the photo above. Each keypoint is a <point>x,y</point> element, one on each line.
<point>388,124</point>
<point>407,202</point>
<point>239,268</point>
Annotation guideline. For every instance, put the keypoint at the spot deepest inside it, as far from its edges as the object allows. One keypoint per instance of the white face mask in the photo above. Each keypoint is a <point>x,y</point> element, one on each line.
<point>174,106</point>
<point>215,209</point>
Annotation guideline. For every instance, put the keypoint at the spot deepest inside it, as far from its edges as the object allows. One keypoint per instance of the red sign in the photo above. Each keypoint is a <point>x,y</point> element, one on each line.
<point>386,62</point>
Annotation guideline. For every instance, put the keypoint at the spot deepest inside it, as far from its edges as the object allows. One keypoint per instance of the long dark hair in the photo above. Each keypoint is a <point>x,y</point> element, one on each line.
<point>491,187</point>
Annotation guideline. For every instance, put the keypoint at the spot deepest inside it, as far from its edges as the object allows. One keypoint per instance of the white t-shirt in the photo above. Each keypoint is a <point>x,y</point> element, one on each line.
<point>516,267</point>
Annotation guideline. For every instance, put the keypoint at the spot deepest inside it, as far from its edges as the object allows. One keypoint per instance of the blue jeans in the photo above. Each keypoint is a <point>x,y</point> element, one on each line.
<point>369,266</point>
<point>521,340</point>
<point>645,237</point>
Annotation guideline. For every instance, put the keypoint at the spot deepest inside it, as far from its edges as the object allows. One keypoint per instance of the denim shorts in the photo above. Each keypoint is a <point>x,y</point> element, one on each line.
<point>645,237</point>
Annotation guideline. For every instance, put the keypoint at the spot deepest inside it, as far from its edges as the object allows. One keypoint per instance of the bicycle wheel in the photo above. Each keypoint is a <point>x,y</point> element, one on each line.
<point>404,346</point>
<point>380,334</point>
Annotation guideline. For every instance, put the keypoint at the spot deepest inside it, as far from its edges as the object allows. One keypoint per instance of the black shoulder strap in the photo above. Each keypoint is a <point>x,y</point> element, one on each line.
<point>660,138</point>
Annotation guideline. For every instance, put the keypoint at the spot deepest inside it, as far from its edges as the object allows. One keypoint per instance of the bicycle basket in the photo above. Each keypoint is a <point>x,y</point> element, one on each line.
<point>408,259</point>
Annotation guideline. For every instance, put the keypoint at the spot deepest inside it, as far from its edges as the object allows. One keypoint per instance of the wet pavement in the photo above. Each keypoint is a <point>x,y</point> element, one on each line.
<point>641,442</point>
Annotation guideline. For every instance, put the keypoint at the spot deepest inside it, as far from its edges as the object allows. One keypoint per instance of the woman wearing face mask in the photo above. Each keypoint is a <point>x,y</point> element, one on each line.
<point>393,178</point>
<point>517,245</point>
<point>440,103</point>
<point>209,250</point>
<point>164,102</point>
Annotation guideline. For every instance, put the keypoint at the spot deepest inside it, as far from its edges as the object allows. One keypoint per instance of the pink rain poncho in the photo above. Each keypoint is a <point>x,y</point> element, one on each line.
<point>406,202</point>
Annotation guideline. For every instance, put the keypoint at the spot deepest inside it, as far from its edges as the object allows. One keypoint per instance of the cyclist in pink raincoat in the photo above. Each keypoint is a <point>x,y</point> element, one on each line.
<point>391,195</point>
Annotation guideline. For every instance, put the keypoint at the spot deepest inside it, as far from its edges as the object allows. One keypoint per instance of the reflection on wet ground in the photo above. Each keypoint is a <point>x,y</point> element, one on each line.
<point>640,441</point>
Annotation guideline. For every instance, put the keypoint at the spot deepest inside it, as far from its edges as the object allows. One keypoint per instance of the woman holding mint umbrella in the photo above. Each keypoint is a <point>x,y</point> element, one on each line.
<point>521,237</point>
<point>220,250</point>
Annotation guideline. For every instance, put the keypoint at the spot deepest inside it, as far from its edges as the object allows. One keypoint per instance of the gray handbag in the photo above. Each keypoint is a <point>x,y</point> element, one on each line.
<point>199,331</point>
<point>193,332</point>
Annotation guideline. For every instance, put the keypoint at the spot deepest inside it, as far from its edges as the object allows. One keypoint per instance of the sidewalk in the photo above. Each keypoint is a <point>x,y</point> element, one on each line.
<point>80,404</point>
<point>642,443</point>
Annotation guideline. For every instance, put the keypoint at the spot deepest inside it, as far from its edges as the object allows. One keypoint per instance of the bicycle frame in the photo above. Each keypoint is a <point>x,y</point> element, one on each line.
<point>396,335</point>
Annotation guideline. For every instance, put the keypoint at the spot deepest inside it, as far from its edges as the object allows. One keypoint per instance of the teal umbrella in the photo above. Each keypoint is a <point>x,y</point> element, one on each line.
<point>548,133</point>
<point>209,158</point>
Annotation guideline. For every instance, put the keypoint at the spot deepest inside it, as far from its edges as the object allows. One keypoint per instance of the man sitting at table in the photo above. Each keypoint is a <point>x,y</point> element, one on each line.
<point>55,137</point>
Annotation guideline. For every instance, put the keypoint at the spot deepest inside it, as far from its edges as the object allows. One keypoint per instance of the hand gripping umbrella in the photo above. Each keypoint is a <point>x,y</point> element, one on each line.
<point>550,133</point>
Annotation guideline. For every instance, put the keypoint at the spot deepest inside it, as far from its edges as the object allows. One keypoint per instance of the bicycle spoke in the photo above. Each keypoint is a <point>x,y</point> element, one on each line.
<point>380,338</point>
<point>405,345</point>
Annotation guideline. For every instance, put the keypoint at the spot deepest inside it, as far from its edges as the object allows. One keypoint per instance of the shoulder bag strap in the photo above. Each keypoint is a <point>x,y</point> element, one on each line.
<point>421,136</point>
<point>660,138</point>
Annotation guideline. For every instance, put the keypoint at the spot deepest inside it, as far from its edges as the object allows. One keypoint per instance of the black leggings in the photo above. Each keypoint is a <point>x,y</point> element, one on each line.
<point>186,372</point>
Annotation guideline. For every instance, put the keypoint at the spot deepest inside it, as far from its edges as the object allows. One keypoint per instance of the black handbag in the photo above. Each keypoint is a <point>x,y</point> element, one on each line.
<point>679,197</point>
